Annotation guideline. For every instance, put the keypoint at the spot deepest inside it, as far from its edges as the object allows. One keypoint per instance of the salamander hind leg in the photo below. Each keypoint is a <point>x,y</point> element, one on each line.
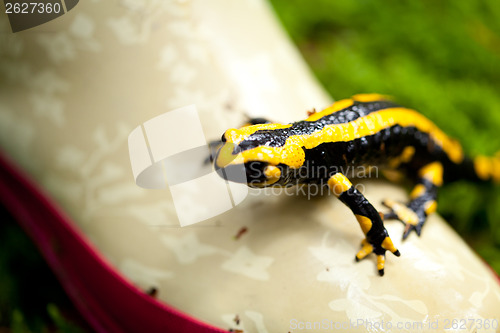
<point>422,200</point>
<point>377,239</point>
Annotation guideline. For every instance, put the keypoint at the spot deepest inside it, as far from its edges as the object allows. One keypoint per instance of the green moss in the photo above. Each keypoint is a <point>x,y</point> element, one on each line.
<point>62,324</point>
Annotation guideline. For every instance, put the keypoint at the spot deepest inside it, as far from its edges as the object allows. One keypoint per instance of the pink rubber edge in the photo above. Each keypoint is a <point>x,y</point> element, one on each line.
<point>105,299</point>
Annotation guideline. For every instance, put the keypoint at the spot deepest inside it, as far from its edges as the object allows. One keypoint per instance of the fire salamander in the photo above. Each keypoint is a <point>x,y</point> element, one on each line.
<point>365,130</point>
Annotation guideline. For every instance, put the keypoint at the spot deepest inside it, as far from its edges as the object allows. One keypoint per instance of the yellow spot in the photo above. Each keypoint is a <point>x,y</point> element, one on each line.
<point>388,245</point>
<point>405,157</point>
<point>418,190</point>
<point>290,154</point>
<point>380,262</point>
<point>366,249</point>
<point>370,97</point>
<point>364,222</point>
<point>430,207</point>
<point>272,173</point>
<point>484,167</point>
<point>225,156</point>
<point>407,154</point>
<point>433,172</point>
<point>339,183</point>
<point>404,213</point>
<point>393,175</point>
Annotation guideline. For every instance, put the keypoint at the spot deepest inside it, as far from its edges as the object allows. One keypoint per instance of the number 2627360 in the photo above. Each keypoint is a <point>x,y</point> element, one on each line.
<point>32,8</point>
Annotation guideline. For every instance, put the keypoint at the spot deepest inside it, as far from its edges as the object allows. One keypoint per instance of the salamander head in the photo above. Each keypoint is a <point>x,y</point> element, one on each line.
<point>253,155</point>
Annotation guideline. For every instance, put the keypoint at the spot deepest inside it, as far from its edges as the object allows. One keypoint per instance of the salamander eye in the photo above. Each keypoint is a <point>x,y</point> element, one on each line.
<point>223,137</point>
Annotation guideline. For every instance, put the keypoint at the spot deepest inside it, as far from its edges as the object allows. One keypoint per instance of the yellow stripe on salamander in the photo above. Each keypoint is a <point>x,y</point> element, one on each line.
<point>238,135</point>
<point>292,155</point>
<point>374,123</point>
<point>371,97</point>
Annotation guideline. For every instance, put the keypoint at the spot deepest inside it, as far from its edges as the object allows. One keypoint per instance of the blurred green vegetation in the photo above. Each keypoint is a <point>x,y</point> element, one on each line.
<point>439,57</point>
<point>31,299</point>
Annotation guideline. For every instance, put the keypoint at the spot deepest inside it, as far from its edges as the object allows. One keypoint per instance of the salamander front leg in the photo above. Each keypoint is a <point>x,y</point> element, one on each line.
<point>423,200</point>
<point>377,239</point>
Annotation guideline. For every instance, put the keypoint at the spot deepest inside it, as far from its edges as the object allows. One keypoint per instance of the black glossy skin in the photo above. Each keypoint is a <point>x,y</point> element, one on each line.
<point>429,164</point>
<point>373,150</point>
